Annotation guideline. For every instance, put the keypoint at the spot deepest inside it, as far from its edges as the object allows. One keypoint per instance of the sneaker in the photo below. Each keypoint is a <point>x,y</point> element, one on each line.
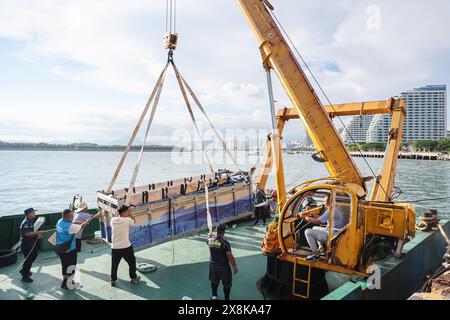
<point>113,283</point>
<point>135,280</point>
<point>312,258</point>
<point>27,279</point>
<point>213,297</point>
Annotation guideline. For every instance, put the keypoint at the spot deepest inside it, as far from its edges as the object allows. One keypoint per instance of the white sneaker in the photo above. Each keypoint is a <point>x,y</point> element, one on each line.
<point>213,297</point>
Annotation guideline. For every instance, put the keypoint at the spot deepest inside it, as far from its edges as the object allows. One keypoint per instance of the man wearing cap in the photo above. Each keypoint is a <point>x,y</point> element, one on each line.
<point>219,263</point>
<point>29,245</point>
<point>81,215</point>
<point>65,234</point>
<point>121,245</point>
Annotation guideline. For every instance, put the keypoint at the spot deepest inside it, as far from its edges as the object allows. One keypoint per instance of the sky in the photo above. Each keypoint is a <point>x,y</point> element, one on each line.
<point>81,71</point>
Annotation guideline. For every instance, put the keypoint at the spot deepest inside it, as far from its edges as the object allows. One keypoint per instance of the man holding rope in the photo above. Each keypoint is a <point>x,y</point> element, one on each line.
<point>29,246</point>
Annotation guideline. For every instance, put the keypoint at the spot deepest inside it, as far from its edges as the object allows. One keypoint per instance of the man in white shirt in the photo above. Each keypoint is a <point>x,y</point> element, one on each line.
<point>121,245</point>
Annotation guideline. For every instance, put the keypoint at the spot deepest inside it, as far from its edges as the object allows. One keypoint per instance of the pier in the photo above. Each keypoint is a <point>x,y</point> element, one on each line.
<point>405,155</point>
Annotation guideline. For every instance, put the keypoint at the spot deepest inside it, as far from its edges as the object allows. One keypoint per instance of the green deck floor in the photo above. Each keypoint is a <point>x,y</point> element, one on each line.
<point>186,276</point>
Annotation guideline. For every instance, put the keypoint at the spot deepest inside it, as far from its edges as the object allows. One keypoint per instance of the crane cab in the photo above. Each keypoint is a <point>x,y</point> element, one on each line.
<point>348,222</point>
<point>341,229</point>
<point>351,230</point>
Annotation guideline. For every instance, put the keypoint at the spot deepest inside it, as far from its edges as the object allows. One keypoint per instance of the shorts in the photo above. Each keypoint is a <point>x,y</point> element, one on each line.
<point>217,273</point>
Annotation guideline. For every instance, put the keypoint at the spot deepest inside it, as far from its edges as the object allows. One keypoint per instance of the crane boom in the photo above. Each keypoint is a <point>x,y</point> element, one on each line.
<point>278,56</point>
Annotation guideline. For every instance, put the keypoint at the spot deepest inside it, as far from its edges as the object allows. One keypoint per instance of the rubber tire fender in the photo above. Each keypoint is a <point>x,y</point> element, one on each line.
<point>7,257</point>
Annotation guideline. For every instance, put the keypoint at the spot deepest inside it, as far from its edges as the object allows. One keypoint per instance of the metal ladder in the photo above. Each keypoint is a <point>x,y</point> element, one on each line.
<point>305,282</point>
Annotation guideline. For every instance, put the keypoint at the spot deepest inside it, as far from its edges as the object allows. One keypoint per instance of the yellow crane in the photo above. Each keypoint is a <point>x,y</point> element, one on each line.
<point>346,249</point>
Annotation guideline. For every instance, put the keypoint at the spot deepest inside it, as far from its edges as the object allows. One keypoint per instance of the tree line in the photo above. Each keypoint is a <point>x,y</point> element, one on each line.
<point>442,145</point>
<point>76,147</point>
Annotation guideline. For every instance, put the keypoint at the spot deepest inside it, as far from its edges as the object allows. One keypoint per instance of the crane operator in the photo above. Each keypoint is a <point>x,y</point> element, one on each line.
<point>320,234</point>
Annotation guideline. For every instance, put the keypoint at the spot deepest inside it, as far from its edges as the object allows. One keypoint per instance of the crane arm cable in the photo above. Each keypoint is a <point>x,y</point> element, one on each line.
<point>216,132</point>
<point>191,113</point>
<point>326,96</point>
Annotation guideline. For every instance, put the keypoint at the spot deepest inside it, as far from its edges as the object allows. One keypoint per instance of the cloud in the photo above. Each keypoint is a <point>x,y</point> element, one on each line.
<point>106,56</point>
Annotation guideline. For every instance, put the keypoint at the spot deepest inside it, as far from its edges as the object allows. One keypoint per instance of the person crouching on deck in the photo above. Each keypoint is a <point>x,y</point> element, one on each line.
<point>219,263</point>
<point>121,245</point>
<point>65,239</point>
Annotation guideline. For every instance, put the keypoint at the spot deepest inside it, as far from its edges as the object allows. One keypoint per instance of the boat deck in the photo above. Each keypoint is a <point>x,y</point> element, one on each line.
<point>186,276</point>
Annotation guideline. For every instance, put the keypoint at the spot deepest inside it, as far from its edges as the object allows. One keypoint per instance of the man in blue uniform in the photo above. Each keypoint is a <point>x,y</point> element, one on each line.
<point>66,230</point>
<point>219,263</point>
<point>29,245</point>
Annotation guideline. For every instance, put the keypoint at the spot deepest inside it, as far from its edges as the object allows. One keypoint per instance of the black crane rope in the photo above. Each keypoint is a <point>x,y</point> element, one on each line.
<point>326,97</point>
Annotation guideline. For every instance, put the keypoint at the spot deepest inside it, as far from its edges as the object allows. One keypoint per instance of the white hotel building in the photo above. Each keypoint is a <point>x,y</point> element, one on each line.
<point>426,119</point>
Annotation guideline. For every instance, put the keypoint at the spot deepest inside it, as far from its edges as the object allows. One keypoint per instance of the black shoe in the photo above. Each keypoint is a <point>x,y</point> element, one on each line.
<point>256,222</point>
<point>29,273</point>
<point>64,285</point>
<point>27,279</point>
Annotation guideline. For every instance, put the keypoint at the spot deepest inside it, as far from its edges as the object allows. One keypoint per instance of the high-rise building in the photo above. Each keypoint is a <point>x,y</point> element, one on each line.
<point>426,118</point>
<point>308,141</point>
<point>357,129</point>
<point>379,128</point>
<point>426,109</point>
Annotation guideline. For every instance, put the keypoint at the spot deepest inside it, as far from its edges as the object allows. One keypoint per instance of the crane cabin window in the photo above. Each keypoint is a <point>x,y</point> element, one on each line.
<point>331,210</point>
<point>308,203</point>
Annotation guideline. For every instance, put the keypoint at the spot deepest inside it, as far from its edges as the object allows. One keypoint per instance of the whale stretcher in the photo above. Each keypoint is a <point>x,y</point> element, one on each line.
<point>175,208</point>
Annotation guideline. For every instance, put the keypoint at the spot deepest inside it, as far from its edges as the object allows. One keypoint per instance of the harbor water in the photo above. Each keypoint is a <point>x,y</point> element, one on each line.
<point>47,180</point>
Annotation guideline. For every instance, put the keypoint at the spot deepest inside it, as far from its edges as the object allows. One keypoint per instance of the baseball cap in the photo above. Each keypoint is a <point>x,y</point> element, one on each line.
<point>29,210</point>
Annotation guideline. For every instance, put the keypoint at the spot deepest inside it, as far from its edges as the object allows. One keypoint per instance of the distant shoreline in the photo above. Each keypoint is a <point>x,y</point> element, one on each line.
<point>83,146</point>
<point>88,150</point>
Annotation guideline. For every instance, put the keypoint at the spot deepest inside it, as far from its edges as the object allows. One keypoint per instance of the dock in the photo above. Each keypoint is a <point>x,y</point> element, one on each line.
<point>406,155</point>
